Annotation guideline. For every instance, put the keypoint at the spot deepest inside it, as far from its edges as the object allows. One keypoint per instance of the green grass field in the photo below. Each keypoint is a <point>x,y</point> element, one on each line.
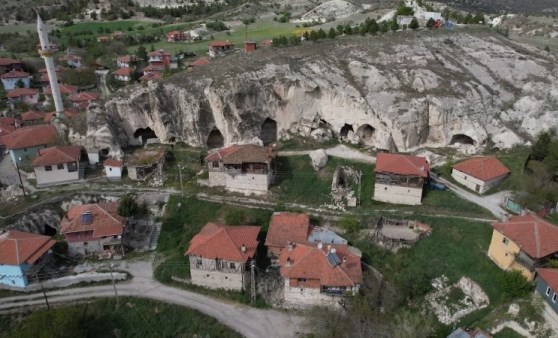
<point>19,28</point>
<point>101,318</point>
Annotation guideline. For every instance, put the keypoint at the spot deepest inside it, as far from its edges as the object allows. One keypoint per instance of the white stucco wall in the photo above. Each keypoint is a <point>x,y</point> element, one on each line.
<point>248,183</point>
<point>55,175</point>
<point>113,172</point>
<point>217,178</point>
<point>397,194</point>
<point>474,183</point>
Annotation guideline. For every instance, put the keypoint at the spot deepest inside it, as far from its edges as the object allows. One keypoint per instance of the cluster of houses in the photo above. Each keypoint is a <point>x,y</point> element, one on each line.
<point>90,230</point>
<point>316,265</point>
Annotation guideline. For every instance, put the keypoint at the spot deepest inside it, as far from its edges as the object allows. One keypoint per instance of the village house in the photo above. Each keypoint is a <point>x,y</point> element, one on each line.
<point>94,229</point>
<point>151,76</point>
<point>250,46</point>
<point>145,163</point>
<point>404,20</point>
<point>9,64</point>
<point>81,101</point>
<point>242,168</point>
<point>31,118</point>
<point>44,79</point>
<point>22,255</point>
<point>400,178</point>
<point>319,274</point>
<point>123,74</point>
<point>480,173</point>
<point>12,79</point>
<point>523,243</point>
<point>220,47</point>
<point>436,16</point>
<point>126,61</point>
<point>153,69</point>
<point>27,96</point>
<point>547,286</point>
<point>266,42</point>
<point>198,63</point>
<point>176,36</point>
<point>59,164</point>
<point>7,126</point>
<point>113,169</point>
<point>219,256</point>
<point>72,60</point>
<point>24,143</point>
<point>159,58</point>
<point>288,227</point>
<point>65,91</point>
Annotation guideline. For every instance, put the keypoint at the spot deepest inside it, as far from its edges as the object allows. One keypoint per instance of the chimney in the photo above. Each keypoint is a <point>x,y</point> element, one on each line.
<point>290,246</point>
<point>328,248</point>
<point>320,245</point>
<point>243,248</point>
<point>289,262</point>
<point>344,262</point>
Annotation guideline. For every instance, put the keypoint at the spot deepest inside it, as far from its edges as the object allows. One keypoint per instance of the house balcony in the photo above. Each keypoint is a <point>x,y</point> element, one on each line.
<point>334,291</point>
<point>110,241</point>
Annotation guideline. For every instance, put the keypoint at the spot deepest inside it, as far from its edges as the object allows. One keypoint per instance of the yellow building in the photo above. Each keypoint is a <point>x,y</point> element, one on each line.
<point>523,243</point>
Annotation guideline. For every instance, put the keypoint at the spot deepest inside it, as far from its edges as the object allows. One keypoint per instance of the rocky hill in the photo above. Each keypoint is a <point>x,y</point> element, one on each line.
<point>399,91</point>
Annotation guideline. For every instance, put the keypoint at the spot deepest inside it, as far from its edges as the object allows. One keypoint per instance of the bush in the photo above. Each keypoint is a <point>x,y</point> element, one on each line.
<point>128,206</point>
<point>430,23</point>
<point>235,217</point>
<point>414,24</point>
<point>350,224</point>
<point>514,284</point>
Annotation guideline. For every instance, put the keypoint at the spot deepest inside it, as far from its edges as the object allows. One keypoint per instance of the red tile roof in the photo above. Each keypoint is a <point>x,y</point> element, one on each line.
<point>160,52</point>
<point>237,154</point>
<point>22,92</point>
<point>124,71</point>
<point>57,155</point>
<point>172,33</point>
<point>286,227</point>
<point>225,242</point>
<point>69,57</point>
<point>154,68</point>
<point>8,121</point>
<point>56,69</point>
<point>535,236</point>
<point>5,130</point>
<point>17,247</point>
<point>483,168</point>
<point>105,220</point>
<point>64,89</point>
<point>126,58</point>
<point>220,43</point>
<point>85,96</point>
<point>402,164</point>
<point>32,116</point>
<point>199,62</point>
<point>113,163</point>
<point>311,262</point>
<point>14,74</point>
<point>8,62</point>
<point>550,276</point>
<point>31,136</point>
<point>151,76</point>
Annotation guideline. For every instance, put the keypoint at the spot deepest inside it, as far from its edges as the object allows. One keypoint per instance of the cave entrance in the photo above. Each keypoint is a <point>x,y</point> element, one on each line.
<point>215,139</point>
<point>172,139</point>
<point>104,152</point>
<point>462,139</point>
<point>145,134</point>
<point>49,230</point>
<point>366,133</point>
<point>345,130</point>
<point>269,131</point>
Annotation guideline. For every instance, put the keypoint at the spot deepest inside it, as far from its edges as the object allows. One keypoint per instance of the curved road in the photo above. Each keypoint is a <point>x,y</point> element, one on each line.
<point>248,321</point>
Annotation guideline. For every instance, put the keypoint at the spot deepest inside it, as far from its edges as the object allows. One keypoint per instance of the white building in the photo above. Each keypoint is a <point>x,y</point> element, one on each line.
<point>219,256</point>
<point>242,168</point>
<point>11,79</point>
<point>56,165</point>
<point>400,178</point>
<point>480,173</point>
<point>431,15</point>
<point>113,169</point>
<point>404,20</point>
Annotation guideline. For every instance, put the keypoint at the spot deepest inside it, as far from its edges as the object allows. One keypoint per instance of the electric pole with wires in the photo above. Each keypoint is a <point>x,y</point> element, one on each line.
<point>253,280</point>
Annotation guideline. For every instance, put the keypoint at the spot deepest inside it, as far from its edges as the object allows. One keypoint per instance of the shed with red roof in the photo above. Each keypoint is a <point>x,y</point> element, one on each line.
<point>480,173</point>
<point>219,255</point>
<point>113,169</point>
<point>400,178</point>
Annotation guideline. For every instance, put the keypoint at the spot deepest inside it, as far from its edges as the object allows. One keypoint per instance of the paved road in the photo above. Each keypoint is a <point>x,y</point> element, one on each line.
<point>248,321</point>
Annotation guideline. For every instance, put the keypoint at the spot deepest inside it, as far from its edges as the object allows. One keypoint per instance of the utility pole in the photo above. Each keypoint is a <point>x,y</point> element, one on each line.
<point>359,186</point>
<point>44,293</point>
<point>253,280</point>
<point>113,284</point>
<point>19,175</point>
<point>181,186</point>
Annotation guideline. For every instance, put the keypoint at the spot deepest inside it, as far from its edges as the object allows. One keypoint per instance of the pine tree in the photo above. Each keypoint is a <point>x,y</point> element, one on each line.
<point>331,34</point>
<point>414,24</point>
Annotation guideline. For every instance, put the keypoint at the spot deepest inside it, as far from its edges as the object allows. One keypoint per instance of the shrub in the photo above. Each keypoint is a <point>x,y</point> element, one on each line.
<point>414,24</point>
<point>430,23</point>
<point>235,217</point>
<point>350,224</point>
<point>514,284</point>
<point>128,205</point>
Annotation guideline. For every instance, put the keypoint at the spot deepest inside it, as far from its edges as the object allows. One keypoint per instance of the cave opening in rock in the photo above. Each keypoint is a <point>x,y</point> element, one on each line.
<point>462,139</point>
<point>172,139</point>
<point>145,134</point>
<point>104,152</point>
<point>345,130</point>
<point>366,133</point>
<point>49,230</point>
<point>269,131</point>
<point>215,139</point>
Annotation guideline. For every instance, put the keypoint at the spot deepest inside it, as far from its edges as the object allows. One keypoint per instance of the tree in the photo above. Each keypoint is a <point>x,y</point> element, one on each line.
<point>314,35</point>
<point>294,40</point>
<point>414,24</point>
<point>514,284</point>
<point>322,34</point>
<point>340,29</point>
<point>331,34</point>
<point>371,26</point>
<point>541,147</point>
<point>349,224</point>
<point>430,23</point>
<point>20,84</point>
<point>404,10</point>
<point>394,25</point>
<point>128,206</point>
<point>141,53</point>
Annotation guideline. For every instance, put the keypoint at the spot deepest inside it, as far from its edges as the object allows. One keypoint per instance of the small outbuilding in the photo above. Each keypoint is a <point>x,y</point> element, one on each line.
<point>146,162</point>
<point>480,173</point>
<point>400,178</point>
<point>56,165</point>
<point>113,169</point>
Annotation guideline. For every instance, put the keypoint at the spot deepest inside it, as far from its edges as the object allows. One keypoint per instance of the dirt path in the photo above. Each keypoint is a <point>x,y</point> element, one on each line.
<point>340,150</point>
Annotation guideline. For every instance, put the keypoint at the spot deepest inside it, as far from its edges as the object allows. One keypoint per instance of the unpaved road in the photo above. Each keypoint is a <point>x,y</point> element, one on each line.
<point>248,321</point>
<point>340,150</point>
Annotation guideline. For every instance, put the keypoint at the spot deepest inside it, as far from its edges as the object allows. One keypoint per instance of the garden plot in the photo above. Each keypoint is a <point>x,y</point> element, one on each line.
<point>452,302</point>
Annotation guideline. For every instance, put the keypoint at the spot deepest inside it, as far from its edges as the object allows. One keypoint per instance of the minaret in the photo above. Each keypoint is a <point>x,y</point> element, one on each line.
<point>47,51</point>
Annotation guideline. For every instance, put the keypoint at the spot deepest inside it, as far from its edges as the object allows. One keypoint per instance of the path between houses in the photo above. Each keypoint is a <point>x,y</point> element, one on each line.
<point>340,150</point>
<point>246,320</point>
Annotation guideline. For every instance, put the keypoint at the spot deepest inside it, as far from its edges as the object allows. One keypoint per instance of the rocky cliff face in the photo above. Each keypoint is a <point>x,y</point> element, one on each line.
<point>399,91</point>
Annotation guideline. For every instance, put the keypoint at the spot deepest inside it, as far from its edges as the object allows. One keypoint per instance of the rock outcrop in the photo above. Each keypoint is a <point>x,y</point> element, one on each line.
<point>398,91</point>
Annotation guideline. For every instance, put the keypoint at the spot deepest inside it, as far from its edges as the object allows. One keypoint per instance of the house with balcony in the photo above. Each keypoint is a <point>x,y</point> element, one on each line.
<point>58,165</point>
<point>220,255</point>
<point>27,96</point>
<point>523,243</point>
<point>242,168</point>
<point>30,118</point>
<point>547,286</point>
<point>81,101</point>
<point>159,58</point>
<point>66,91</point>
<point>72,60</point>
<point>126,61</point>
<point>94,230</point>
<point>9,64</point>
<point>480,173</point>
<point>400,178</point>
<point>123,74</point>
<point>220,47</point>
<point>15,79</point>
<point>176,36</point>
<point>24,143</point>
<point>319,274</point>
<point>22,256</point>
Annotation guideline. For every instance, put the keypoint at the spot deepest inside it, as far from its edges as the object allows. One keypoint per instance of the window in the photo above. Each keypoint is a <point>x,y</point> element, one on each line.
<point>301,280</point>
<point>48,168</point>
<point>554,297</point>
<point>548,291</point>
<point>231,265</point>
<point>24,149</point>
<point>505,241</point>
<point>84,243</point>
<point>465,178</point>
<point>72,166</point>
<point>110,169</point>
<point>198,263</point>
<point>215,164</point>
<point>60,166</point>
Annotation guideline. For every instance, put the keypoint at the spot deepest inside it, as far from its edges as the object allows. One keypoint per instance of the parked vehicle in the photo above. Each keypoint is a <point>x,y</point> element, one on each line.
<point>434,185</point>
